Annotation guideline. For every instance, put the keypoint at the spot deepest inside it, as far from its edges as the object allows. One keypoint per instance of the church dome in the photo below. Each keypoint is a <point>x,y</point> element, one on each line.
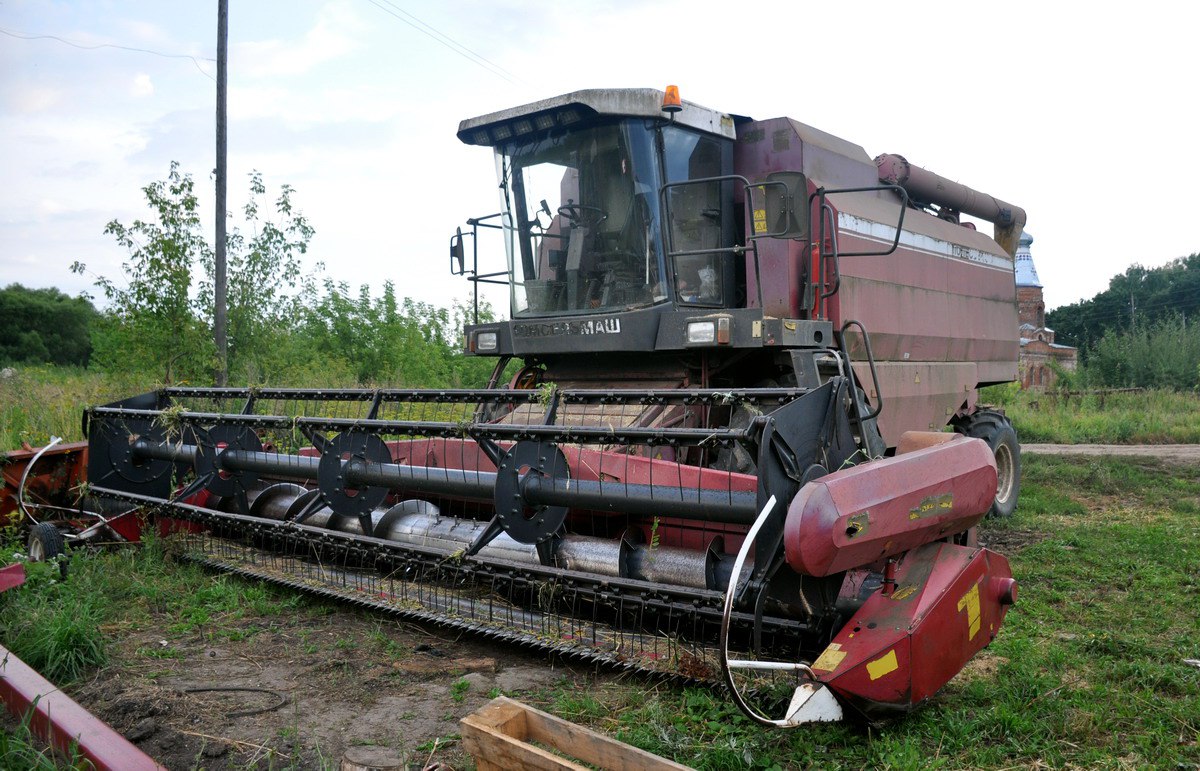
<point>1026,272</point>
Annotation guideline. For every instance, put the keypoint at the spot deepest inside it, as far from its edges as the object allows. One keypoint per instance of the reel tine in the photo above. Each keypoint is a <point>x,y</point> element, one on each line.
<point>193,487</point>
<point>242,499</point>
<point>315,503</point>
<point>494,528</point>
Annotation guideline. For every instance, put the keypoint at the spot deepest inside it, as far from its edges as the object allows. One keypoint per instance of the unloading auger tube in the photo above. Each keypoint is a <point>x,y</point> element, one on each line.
<point>597,524</point>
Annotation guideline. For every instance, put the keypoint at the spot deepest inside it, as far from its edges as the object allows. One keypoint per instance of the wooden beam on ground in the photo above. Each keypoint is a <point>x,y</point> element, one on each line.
<point>506,734</point>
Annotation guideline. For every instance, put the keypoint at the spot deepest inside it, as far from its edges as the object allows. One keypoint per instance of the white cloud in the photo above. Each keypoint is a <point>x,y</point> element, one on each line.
<point>34,99</point>
<point>334,35</point>
<point>367,103</point>
<point>145,31</point>
<point>142,86</point>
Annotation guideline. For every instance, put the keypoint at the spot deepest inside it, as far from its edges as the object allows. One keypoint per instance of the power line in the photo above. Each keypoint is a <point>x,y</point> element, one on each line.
<point>84,47</point>
<point>420,26</point>
<point>1173,297</point>
<point>448,39</point>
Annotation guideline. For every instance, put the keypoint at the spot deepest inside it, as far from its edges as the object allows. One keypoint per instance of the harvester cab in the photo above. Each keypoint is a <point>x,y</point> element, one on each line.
<point>695,471</point>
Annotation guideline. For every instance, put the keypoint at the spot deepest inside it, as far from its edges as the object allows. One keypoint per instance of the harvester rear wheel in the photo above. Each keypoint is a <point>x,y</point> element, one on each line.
<point>997,430</point>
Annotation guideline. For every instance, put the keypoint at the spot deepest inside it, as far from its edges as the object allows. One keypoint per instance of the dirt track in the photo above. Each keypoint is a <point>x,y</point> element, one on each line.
<point>1174,453</point>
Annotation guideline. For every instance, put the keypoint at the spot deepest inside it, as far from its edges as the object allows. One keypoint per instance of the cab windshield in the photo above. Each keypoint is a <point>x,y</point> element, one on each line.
<point>581,217</point>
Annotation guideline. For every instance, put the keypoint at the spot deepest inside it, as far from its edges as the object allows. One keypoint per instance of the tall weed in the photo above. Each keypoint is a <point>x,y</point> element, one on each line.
<point>1144,417</point>
<point>43,401</point>
<point>1161,355</point>
<point>51,624</point>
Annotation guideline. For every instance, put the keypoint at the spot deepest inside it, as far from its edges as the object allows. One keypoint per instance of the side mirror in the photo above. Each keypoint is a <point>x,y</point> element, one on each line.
<point>457,261</point>
<point>786,205</point>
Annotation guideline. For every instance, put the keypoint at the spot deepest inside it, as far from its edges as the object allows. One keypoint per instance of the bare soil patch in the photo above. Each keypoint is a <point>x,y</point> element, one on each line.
<point>1009,542</point>
<point>348,680</point>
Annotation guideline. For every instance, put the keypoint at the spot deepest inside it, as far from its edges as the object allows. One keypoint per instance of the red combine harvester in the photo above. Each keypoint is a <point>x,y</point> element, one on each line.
<point>723,454</point>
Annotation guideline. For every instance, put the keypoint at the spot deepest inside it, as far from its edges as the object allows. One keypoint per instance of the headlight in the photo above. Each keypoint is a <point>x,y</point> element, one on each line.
<point>701,332</point>
<point>708,331</point>
<point>485,341</point>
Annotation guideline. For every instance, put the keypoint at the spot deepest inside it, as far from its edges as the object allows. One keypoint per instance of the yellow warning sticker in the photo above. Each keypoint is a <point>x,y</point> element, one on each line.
<point>829,660</point>
<point>970,603</point>
<point>934,504</point>
<point>883,665</point>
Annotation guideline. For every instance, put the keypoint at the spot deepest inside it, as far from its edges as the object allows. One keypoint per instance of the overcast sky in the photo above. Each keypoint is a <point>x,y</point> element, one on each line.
<point>1078,112</point>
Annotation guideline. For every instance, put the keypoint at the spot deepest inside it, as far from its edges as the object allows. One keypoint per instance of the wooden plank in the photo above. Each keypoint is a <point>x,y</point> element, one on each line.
<point>494,749</point>
<point>498,733</point>
<point>592,747</point>
<point>504,715</point>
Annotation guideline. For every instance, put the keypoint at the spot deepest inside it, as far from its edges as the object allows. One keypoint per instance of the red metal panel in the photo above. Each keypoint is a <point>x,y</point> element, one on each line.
<point>57,471</point>
<point>11,575</point>
<point>129,525</point>
<point>859,515</point>
<point>920,396</point>
<point>901,648</point>
<point>931,307</point>
<point>59,720</point>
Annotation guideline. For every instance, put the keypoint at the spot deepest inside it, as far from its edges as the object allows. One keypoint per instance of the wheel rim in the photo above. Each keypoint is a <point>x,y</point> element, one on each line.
<point>37,552</point>
<point>1005,473</point>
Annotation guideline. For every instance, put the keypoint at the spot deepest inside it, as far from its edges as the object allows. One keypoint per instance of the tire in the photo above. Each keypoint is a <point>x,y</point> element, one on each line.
<point>997,430</point>
<point>46,544</point>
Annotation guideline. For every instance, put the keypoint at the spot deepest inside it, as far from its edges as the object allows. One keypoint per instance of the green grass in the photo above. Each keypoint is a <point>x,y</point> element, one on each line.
<point>51,625</point>
<point>20,750</point>
<point>39,402</point>
<point>1146,417</point>
<point>57,626</point>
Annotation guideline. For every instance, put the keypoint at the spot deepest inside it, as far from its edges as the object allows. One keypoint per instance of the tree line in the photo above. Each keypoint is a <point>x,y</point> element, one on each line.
<point>1139,297</point>
<point>1144,330</point>
<point>286,324</point>
<point>44,326</point>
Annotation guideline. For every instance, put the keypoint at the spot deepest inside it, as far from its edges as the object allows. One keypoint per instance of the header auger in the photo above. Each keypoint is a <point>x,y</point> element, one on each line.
<point>723,456</point>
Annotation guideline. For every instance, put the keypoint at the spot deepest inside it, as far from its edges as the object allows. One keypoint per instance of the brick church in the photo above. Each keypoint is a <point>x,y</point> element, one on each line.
<point>1038,348</point>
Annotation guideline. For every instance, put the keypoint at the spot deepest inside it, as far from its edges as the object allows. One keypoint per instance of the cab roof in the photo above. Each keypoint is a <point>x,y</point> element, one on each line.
<point>581,107</point>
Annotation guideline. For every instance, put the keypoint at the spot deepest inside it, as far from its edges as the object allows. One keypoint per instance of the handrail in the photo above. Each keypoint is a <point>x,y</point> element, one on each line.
<point>871,365</point>
<point>747,202</point>
<point>823,194</point>
<point>821,285</point>
<point>476,278</point>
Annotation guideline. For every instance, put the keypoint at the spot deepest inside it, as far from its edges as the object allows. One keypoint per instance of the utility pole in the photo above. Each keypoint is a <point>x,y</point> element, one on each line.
<point>219,278</point>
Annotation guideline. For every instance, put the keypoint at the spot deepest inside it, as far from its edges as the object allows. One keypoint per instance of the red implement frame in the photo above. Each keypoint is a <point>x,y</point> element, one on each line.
<point>58,470</point>
<point>55,717</point>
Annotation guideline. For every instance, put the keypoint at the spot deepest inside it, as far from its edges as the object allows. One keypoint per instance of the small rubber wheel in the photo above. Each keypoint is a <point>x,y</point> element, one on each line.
<point>46,544</point>
<point>997,430</point>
